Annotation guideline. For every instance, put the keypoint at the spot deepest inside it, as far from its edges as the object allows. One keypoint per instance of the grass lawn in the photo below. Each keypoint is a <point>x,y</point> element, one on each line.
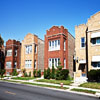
<point>42,85</point>
<point>93,85</point>
<point>23,78</point>
<point>65,82</point>
<point>82,90</point>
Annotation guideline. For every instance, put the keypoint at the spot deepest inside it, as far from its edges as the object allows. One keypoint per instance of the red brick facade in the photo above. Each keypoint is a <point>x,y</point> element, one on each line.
<point>14,46</point>
<point>56,33</point>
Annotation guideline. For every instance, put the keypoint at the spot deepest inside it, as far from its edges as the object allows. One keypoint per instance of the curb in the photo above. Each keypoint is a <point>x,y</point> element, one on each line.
<point>67,90</point>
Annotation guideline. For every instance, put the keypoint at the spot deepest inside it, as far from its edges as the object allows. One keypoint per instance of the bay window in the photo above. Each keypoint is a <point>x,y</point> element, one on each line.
<point>54,45</point>
<point>28,49</point>
<point>9,52</point>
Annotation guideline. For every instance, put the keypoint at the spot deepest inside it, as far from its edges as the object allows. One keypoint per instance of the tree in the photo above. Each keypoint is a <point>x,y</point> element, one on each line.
<point>2,71</point>
<point>1,41</point>
<point>14,73</point>
<point>59,73</point>
<point>53,72</point>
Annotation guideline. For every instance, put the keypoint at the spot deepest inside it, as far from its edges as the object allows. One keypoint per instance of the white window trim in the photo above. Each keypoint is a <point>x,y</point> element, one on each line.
<point>28,47</point>
<point>10,64</point>
<point>50,63</point>
<point>53,48</point>
<point>95,68</point>
<point>28,63</point>
<point>9,51</point>
<point>64,63</point>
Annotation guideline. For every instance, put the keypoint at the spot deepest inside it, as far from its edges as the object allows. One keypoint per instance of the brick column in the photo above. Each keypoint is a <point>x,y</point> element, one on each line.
<point>46,53</point>
<point>62,50</point>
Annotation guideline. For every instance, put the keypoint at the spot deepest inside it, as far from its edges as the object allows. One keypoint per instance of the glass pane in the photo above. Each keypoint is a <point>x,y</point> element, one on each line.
<point>93,41</point>
<point>58,42</point>
<point>52,43</point>
<point>55,61</point>
<point>52,62</point>
<point>98,40</point>
<point>83,40</point>
<point>94,64</point>
<point>98,64</point>
<point>55,43</point>
<point>83,45</point>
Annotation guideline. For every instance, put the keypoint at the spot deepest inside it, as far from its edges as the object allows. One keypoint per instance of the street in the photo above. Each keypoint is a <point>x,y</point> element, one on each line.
<point>11,91</point>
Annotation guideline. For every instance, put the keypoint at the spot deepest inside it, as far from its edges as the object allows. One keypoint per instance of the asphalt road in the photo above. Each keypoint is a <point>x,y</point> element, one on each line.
<point>11,91</point>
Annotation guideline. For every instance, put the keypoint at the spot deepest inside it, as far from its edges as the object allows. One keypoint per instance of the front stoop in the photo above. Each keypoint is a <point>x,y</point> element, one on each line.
<point>79,80</point>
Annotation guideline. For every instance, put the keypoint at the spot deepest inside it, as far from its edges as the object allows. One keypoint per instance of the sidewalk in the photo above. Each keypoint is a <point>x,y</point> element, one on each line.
<point>67,86</point>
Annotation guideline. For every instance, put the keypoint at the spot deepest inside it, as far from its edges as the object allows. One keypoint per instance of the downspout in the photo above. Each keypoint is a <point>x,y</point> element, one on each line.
<point>87,52</point>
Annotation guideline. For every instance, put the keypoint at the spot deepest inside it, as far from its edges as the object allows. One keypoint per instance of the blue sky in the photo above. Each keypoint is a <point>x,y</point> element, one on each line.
<point>19,17</point>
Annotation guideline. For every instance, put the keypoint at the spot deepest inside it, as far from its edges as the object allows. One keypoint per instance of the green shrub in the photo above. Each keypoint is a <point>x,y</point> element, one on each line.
<point>39,73</point>
<point>29,74</point>
<point>94,75</point>
<point>2,71</point>
<point>59,73</point>
<point>45,73</point>
<point>48,73</point>
<point>34,73</point>
<point>53,73</point>
<point>64,74</point>
<point>25,74</point>
<point>14,73</point>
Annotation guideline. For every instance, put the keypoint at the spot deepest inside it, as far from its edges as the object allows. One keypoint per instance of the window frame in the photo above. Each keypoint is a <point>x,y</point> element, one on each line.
<point>54,45</point>
<point>82,42</point>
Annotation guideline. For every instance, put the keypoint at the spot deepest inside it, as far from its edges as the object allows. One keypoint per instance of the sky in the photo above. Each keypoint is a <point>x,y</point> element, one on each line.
<point>19,17</point>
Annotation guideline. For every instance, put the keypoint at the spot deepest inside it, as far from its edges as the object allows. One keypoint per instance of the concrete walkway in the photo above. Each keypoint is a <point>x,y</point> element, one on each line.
<point>67,86</point>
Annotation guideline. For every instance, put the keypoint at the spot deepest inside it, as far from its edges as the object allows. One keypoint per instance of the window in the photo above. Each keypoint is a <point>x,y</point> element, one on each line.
<point>28,63</point>
<point>64,45</point>
<point>58,42</point>
<point>28,49</point>
<point>35,48</point>
<point>95,41</point>
<point>82,42</point>
<point>15,64</point>
<point>53,62</point>
<point>9,52</point>
<point>64,63</point>
<point>34,64</point>
<point>54,45</point>
<point>8,64</point>
<point>15,52</point>
<point>96,64</point>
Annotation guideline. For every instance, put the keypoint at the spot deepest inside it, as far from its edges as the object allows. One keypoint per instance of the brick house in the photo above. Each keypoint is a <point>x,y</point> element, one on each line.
<point>12,56</point>
<point>87,47</point>
<point>2,54</point>
<point>32,53</point>
<point>59,46</point>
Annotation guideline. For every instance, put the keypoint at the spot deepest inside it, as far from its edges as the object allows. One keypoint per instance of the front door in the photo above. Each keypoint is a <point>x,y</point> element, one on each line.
<point>82,67</point>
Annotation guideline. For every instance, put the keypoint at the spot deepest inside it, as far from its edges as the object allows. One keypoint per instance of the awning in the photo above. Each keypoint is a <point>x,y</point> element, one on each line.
<point>82,62</point>
<point>95,35</point>
<point>95,58</point>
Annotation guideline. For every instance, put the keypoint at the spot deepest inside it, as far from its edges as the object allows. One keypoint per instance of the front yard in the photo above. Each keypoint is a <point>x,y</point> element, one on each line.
<point>93,85</point>
<point>23,78</point>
